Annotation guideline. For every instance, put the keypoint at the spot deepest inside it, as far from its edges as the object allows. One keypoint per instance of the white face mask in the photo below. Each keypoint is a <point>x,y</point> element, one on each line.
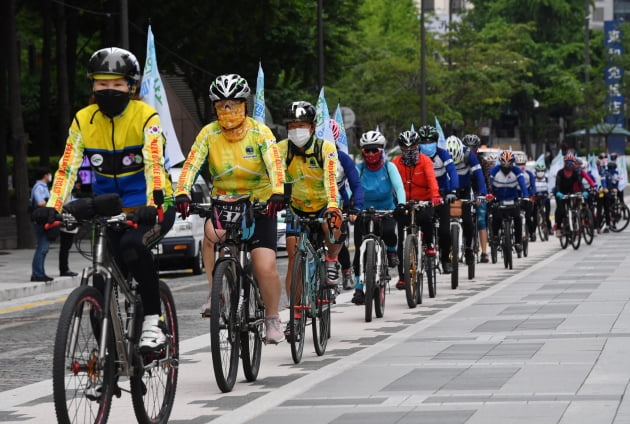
<point>299,136</point>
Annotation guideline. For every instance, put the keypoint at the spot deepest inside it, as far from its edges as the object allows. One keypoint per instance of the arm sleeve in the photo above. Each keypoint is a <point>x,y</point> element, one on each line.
<point>273,162</point>
<point>192,166</point>
<point>69,165</point>
<point>588,178</point>
<point>153,153</point>
<point>397,184</point>
<point>477,173</point>
<point>520,177</point>
<point>353,179</point>
<point>329,153</point>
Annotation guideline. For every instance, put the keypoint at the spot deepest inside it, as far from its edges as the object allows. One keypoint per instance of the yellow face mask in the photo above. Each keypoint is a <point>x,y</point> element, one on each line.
<point>231,117</point>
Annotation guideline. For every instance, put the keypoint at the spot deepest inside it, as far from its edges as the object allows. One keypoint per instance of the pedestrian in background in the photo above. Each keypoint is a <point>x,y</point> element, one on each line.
<point>39,197</point>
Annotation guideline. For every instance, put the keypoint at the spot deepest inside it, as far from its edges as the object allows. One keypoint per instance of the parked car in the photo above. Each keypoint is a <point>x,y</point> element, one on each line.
<point>181,247</point>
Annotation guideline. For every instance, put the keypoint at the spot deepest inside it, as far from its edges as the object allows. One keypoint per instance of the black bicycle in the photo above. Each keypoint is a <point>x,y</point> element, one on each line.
<point>415,259</point>
<point>373,262</point>
<point>237,311</point>
<point>99,331</point>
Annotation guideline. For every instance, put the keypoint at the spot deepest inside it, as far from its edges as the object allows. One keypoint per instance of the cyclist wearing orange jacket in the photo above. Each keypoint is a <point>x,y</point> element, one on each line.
<point>418,177</point>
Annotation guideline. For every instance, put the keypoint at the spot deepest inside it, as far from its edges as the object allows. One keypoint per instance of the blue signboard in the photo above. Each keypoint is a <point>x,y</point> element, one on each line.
<point>613,74</point>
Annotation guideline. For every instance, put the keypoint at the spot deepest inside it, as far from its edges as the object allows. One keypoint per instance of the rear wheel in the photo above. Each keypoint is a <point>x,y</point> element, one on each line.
<point>576,237</point>
<point>620,217</point>
<point>588,224</point>
<point>82,384</point>
<point>369,277</point>
<point>297,308</point>
<point>380,290</point>
<point>411,269</point>
<point>154,384</point>
<point>454,256</point>
<point>224,331</point>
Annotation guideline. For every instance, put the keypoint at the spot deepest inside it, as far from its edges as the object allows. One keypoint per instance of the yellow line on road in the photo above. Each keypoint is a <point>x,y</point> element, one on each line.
<point>31,305</point>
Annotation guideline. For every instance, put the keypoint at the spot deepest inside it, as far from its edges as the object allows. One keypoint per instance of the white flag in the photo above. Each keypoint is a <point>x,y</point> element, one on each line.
<point>322,119</point>
<point>152,92</point>
<point>259,101</point>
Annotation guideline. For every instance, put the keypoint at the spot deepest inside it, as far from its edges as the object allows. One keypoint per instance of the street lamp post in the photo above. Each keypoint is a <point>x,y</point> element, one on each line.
<point>320,44</point>
<point>124,25</point>
<point>423,70</point>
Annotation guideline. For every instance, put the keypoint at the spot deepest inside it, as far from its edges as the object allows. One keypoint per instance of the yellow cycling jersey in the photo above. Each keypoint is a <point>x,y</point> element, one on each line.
<point>314,187</point>
<point>250,165</point>
<point>126,153</point>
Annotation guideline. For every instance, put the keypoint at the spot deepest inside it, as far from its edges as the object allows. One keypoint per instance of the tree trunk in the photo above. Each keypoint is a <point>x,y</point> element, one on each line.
<point>63,89</point>
<point>4,124</point>
<point>43,130</point>
<point>18,137</point>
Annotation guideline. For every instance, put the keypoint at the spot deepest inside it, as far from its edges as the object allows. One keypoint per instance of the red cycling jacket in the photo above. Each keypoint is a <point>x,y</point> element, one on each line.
<point>419,181</point>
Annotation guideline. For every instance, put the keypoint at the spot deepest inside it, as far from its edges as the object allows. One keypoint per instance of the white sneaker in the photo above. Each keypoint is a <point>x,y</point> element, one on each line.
<point>273,330</point>
<point>152,337</point>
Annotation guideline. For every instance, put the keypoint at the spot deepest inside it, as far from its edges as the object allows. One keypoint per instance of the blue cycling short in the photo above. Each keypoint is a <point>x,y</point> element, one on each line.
<point>482,216</point>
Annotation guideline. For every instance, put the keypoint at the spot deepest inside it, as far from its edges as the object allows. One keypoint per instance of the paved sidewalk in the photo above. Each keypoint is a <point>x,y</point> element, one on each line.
<point>15,272</point>
<point>544,343</point>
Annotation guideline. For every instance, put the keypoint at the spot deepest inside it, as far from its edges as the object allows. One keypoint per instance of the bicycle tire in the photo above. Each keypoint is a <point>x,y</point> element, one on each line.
<point>298,302</point>
<point>83,311</point>
<point>576,237</point>
<point>543,230</point>
<point>224,331</point>
<point>565,235</point>
<point>369,277</point>
<point>506,249</point>
<point>380,291</point>
<point>525,238</point>
<point>411,269</point>
<point>321,319</point>
<point>454,256</point>
<point>430,268</point>
<point>153,387</point>
<point>252,331</point>
<point>494,247</point>
<point>620,217</point>
<point>588,225</point>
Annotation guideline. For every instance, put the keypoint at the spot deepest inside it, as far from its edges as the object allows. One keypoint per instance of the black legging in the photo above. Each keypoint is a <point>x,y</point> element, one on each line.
<point>498,215</point>
<point>65,244</point>
<point>132,250</point>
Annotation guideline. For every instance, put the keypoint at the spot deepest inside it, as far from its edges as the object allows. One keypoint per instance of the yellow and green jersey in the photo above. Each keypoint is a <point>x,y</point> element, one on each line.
<point>250,166</point>
<point>313,179</point>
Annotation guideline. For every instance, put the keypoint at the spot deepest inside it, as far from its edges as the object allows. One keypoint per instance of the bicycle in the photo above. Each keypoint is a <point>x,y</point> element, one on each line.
<point>571,232</point>
<point>503,241</point>
<point>457,244</point>
<point>618,213</point>
<point>541,220</point>
<point>315,298</point>
<point>415,259</point>
<point>237,309</point>
<point>373,262</point>
<point>99,330</point>
<point>524,225</point>
<point>587,222</point>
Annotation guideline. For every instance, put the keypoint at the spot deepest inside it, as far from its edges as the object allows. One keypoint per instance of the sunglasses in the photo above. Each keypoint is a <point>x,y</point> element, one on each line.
<point>427,141</point>
<point>231,103</point>
<point>371,150</point>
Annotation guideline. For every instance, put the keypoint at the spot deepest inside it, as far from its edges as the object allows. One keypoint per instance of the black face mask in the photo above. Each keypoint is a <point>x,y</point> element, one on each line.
<point>111,102</point>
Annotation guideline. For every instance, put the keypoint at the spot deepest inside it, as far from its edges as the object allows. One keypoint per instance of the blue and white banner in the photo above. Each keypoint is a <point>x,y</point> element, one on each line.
<point>342,141</point>
<point>441,138</point>
<point>259,101</point>
<point>153,93</point>
<point>322,119</point>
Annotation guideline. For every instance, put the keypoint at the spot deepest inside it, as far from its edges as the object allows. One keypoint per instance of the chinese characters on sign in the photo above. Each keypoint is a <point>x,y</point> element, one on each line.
<point>613,73</point>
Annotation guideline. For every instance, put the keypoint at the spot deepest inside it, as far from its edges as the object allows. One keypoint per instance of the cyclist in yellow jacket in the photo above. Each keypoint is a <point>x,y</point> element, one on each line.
<point>243,158</point>
<point>311,165</point>
<point>122,138</point>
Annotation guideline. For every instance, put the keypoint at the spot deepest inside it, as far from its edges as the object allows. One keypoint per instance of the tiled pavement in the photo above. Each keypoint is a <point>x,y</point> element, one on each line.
<point>547,342</point>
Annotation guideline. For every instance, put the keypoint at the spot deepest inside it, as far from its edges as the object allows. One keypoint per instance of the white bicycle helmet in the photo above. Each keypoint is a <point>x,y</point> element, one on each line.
<point>230,86</point>
<point>372,139</point>
<point>455,147</point>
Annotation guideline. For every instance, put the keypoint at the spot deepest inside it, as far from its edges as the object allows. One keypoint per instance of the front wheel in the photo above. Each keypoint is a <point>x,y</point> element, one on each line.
<point>369,277</point>
<point>565,236</point>
<point>412,270</point>
<point>381,288</point>
<point>430,269</point>
<point>620,217</point>
<point>298,303</point>
<point>588,224</point>
<point>83,384</point>
<point>224,328</point>
<point>155,381</point>
<point>321,318</point>
<point>576,237</point>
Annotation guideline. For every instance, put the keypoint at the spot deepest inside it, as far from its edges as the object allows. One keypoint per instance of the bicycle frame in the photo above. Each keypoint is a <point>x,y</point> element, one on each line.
<point>307,240</point>
<point>370,218</point>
